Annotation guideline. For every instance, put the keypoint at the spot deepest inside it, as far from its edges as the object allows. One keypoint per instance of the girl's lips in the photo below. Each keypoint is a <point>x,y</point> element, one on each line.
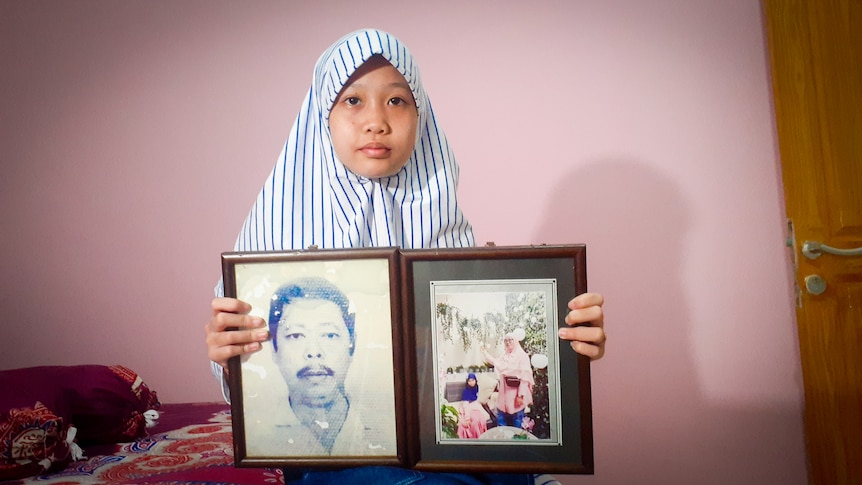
<point>375,150</point>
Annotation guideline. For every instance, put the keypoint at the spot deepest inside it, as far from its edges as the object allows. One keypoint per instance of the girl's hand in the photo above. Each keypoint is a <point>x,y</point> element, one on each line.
<point>246,334</point>
<point>586,322</point>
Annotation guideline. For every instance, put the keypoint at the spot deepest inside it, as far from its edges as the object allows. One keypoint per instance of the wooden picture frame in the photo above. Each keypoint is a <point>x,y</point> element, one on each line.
<point>476,284</point>
<point>434,316</point>
<point>336,315</point>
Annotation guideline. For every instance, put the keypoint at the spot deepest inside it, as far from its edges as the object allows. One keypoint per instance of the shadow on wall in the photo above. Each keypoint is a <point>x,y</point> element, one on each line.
<point>651,425</point>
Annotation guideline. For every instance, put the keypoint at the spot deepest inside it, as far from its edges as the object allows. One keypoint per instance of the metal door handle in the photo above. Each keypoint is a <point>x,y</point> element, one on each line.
<point>813,250</point>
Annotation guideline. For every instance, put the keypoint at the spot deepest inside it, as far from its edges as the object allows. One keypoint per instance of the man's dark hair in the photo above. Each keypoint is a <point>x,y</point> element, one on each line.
<point>312,288</point>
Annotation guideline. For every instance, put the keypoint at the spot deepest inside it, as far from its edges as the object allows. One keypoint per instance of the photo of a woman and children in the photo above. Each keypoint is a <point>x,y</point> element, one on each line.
<point>495,361</point>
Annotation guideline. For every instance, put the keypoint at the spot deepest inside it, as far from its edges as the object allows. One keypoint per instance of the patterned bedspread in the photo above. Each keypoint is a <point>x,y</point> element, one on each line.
<point>191,444</point>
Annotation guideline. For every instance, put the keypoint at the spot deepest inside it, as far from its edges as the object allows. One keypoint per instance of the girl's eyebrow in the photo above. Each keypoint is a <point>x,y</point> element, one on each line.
<point>396,84</point>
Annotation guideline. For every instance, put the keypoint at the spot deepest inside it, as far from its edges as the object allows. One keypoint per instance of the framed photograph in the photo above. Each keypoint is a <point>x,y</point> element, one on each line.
<point>494,390</point>
<point>327,390</point>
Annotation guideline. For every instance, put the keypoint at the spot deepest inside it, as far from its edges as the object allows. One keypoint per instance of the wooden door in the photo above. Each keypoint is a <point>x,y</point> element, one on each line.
<point>816,57</point>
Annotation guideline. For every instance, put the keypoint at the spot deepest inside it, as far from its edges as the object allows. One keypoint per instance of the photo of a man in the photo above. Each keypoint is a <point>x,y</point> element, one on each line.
<point>313,336</point>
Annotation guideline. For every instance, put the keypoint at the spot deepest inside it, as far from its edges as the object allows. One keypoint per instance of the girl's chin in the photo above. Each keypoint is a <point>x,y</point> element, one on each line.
<point>377,172</point>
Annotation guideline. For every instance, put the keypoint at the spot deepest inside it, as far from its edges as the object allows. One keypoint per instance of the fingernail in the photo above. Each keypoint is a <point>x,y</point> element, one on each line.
<point>252,346</point>
<point>261,335</point>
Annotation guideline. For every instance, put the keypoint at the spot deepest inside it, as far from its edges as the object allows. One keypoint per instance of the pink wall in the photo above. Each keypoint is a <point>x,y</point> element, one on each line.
<point>135,136</point>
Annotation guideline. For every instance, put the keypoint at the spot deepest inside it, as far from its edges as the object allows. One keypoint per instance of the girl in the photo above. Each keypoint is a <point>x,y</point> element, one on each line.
<point>365,164</point>
<point>472,420</point>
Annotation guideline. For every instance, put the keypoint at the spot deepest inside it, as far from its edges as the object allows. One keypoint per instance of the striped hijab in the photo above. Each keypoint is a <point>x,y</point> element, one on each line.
<point>311,198</point>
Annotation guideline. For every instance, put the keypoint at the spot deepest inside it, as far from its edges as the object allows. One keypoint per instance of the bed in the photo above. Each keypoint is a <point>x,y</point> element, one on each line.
<point>190,444</point>
<point>95,424</point>
<point>98,424</point>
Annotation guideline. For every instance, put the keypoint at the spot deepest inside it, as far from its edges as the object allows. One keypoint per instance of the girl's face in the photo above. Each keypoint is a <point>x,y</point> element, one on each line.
<point>373,121</point>
<point>471,382</point>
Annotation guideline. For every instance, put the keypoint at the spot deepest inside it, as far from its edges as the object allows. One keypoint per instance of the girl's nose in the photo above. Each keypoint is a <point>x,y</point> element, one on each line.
<point>376,123</point>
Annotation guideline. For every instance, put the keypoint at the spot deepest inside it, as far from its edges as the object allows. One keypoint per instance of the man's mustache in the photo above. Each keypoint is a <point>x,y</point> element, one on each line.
<point>315,371</point>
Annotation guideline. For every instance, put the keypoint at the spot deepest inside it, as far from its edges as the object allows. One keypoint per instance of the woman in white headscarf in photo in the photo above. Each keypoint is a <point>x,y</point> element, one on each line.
<point>515,386</point>
<point>365,165</point>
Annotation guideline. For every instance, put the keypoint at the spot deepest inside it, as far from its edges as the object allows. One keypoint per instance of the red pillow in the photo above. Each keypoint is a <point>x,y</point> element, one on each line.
<point>39,404</point>
<point>108,405</point>
<point>33,440</point>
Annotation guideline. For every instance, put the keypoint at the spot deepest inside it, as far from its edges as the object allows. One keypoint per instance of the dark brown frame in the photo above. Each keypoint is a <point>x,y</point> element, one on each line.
<point>241,458</point>
<point>410,272</point>
<point>567,264</point>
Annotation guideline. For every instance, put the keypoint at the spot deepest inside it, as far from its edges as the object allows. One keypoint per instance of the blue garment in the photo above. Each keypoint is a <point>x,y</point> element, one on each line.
<point>505,419</point>
<point>402,476</point>
<point>470,394</point>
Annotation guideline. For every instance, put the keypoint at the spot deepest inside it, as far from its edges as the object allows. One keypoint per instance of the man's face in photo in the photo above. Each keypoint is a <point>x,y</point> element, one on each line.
<point>314,351</point>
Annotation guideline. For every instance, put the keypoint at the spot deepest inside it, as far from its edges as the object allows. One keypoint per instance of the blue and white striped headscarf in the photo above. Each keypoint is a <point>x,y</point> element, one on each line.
<point>311,198</point>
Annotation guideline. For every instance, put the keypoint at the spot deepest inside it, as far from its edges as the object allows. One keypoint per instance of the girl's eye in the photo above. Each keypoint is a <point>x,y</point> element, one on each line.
<point>331,335</point>
<point>351,101</point>
<point>397,101</point>
<point>293,336</point>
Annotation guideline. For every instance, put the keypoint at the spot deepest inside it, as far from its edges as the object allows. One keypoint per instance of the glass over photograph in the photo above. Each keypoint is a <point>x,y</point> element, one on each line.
<point>322,385</point>
<point>496,366</point>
